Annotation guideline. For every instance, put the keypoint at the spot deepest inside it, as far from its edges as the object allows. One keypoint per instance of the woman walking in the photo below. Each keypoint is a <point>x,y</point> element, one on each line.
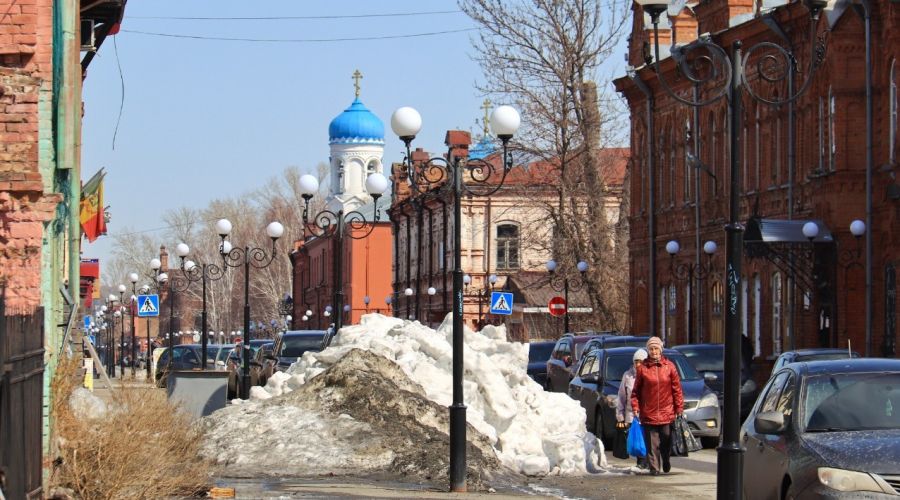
<point>656,400</point>
<point>624,415</point>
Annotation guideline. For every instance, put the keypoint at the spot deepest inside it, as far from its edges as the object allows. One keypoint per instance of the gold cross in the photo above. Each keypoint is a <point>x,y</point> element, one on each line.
<point>357,76</point>
<point>486,106</point>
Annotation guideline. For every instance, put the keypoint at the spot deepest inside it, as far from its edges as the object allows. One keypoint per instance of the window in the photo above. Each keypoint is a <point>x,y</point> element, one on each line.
<point>507,246</point>
<point>821,162</point>
<point>589,366</point>
<point>832,133</point>
<point>673,300</point>
<point>893,114</point>
<point>718,291</point>
<point>777,312</point>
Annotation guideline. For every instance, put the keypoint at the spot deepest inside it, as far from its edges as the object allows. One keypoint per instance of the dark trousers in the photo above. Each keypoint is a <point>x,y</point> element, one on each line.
<point>659,444</point>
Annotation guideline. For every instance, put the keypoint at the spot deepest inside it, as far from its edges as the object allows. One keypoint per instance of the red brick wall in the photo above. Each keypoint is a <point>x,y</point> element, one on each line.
<point>25,75</point>
<point>833,191</point>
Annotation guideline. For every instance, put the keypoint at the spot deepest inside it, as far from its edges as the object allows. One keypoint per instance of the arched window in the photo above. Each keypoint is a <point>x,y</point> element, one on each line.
<point>717,303</point>
<point>777,312</point>
<point>507,246</point>
<point>893,116</point>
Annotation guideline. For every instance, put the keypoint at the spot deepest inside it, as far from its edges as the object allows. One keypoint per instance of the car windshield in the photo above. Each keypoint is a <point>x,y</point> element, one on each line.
<point>705,360</point>
<point>685,370</point>
<point>823,356</point>
<point>852,402</point>
<point>295,346</point>
<point>539,352</point>
<point>616,366</point>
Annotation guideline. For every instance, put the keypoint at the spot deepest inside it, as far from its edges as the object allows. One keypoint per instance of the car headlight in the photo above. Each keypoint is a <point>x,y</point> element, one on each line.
<point>710,399</point>
<point>848,480</point>
<point>748,386</point>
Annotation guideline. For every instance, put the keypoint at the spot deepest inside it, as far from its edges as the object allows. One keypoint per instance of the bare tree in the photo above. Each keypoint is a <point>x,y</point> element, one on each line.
<point>544,56</point>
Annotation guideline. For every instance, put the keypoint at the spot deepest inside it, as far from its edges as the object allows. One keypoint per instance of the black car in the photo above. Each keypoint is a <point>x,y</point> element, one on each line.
<point>608,340</point>
<point>187,357</point>
<point>819,354</point>
<point>293,343</point>
<point>709,360</point>
<point>825,429</point>
<point>538,354</point>
<point>596,387</point>
<point>564,360</point>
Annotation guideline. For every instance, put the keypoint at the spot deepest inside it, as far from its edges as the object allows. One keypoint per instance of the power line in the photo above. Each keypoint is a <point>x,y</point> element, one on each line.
<point>297,40</point>
<point>279,18</point>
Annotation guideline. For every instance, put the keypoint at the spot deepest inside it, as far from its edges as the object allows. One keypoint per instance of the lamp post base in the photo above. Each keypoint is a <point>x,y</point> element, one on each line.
<point>458,448</point>
<point>729,470</point>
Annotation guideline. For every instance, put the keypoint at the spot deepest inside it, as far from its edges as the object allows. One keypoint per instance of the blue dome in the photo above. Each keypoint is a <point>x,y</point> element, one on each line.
<point>356,125</point>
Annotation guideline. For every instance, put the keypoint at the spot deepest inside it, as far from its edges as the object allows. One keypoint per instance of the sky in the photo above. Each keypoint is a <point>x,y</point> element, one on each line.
<point>182,121</point>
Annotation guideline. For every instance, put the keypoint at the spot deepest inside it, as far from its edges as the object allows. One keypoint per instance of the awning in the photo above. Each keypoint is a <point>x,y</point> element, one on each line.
<point>784,231</point>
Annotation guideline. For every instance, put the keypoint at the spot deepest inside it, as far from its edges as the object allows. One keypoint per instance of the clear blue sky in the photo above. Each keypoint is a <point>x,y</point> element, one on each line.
<point>204,119</point>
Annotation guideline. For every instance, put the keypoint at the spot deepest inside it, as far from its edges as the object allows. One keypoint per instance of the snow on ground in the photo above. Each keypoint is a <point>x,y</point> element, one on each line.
<point>531,431</point>
<point>86,405</point>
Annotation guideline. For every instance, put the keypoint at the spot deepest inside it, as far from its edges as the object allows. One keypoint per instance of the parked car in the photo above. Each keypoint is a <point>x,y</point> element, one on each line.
<point>293,343</point>
<point>609,340</point>
<point>825,429</point>
<point>564,360</point>
<point>262,364</point>
<point>234,364</point>
<point>538,354</point>
<point>596,387</point>
<point>186,357</point>
<point>709,360</point>
<point>818,354</point>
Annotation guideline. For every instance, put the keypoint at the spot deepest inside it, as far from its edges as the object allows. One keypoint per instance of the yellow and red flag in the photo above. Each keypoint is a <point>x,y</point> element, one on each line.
<point>93,222</point>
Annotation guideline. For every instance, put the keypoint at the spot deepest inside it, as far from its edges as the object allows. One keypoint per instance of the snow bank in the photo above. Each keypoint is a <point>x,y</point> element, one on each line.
<point>85,404</point>
<point>532,431</point>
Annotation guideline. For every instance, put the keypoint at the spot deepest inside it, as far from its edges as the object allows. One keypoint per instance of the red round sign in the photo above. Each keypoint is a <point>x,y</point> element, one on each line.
<point>557,306</point>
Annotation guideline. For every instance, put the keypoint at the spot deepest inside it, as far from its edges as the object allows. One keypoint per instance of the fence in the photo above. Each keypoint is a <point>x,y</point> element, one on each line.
<point>21,393</point>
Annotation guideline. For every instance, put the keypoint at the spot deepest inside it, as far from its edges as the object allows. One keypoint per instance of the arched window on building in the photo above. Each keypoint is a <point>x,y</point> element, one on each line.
<point>893,117</point>
<point>717,303</point>
<point>507,246</point>
<point>777,312</point>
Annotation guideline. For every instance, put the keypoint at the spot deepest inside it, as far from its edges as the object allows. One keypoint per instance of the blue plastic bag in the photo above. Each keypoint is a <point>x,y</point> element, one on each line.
<point>636,445</point>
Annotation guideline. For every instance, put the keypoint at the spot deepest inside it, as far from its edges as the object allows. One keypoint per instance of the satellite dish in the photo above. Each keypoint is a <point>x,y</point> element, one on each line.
<point>675,7</point>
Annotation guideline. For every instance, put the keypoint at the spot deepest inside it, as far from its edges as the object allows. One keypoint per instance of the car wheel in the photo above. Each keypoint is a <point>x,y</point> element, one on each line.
<point>598,431</point>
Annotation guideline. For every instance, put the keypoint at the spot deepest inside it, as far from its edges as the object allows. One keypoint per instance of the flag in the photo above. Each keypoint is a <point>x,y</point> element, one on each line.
<point>93,223</point>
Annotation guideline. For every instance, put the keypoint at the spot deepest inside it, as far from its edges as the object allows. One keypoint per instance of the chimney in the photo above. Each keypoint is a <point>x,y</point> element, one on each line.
<point>720,15</point>
<point>458,141</point>
<point>163,259</point>
<point>684,27</point>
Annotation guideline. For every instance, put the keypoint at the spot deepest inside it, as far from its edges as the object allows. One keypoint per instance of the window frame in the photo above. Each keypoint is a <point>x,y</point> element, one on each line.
<point>504,244</point>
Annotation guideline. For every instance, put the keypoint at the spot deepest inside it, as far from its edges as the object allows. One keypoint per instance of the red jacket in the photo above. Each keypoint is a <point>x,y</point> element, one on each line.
<point>657,393</point>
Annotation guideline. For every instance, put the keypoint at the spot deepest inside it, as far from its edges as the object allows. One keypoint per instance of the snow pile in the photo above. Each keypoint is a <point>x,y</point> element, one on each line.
<point>85,404</point>
<point>532,431</point>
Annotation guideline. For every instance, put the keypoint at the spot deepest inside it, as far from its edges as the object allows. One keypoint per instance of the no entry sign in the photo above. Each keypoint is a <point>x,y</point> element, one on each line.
<point>557,306</point>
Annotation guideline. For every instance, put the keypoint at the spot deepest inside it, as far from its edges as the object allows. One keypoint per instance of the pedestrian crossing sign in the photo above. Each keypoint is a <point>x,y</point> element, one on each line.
<point>501,303</point>
<point>148,305</point>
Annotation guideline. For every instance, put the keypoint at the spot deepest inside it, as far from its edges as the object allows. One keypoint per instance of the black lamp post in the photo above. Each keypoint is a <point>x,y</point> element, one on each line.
<point>447,174</point>
<point>327,223</point>
<point>704,62</point>
<point>204,273</point>
<point>562,283</point>
<point>481,293</point>
<point>247,257</point>
<point>110,317</point>
<point>694,275</point>
<point>133,278</point>
<point>122,290</point>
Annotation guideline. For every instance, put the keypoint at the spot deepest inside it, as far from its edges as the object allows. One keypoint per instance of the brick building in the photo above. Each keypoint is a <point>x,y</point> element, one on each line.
<point>796,293</point>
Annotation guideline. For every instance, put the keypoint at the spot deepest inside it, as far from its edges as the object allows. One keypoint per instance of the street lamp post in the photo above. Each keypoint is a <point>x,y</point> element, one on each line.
<point>247,257</point>
<point>564,284</point>
<point>133,278</point>
<point>327,223</point>
<point>727,76</point>
<point>693,274</point>
<point>447,173</point>
<point>122,289</point>
<point>204,273</point>
<point>108,312</point>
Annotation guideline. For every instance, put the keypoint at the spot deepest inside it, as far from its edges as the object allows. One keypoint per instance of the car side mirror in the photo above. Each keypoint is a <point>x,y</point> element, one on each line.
<point>710,377</point>
<point>591,378</point>
<point>769,422</point>
<point>220,363</point>
<point>567,360</point>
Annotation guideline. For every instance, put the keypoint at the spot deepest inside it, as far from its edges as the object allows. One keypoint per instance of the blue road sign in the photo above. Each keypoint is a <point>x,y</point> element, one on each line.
<point>501,303</point>
<point>148,305</point>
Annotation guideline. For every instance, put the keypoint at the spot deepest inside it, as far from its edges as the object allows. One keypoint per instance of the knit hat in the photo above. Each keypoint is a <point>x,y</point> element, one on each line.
<point>639,355</point>
<point>654,341</point>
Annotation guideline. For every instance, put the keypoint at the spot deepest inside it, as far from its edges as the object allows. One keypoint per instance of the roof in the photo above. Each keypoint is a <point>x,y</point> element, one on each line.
<point>784,231</point>
<point>532,288</point>
<point>356,125</point>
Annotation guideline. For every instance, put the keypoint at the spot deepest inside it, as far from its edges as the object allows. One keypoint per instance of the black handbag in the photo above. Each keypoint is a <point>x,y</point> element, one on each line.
<point>683,440</point>
<point>620,444</point>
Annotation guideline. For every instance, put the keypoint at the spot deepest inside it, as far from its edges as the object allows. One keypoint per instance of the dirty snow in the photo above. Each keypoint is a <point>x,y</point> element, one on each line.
<point>531,431</point>
<point>86,405</point>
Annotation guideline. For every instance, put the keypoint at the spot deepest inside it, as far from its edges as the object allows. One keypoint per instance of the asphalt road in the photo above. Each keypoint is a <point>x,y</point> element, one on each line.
<point>691,477</point>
